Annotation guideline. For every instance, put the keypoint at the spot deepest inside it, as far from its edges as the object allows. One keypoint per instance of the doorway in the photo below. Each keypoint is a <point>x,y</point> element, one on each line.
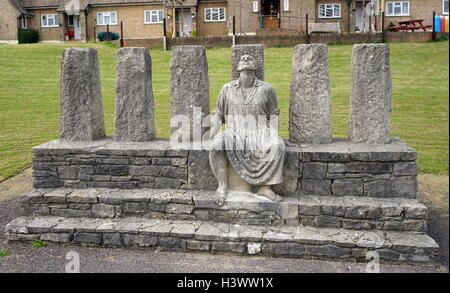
<point>76,28</point>
<point>187,23</point>
<point>270,7</point>
<point>362,17</point>
<point>270,10</point>
<point>184,27</point>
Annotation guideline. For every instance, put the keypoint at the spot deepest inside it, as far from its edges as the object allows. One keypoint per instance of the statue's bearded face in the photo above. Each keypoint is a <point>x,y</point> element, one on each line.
<point>246,63</point>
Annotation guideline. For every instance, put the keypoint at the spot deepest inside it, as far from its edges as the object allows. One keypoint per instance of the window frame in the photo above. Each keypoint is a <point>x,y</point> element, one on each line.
<point>160,20</point>
<point>332,7</point>
<point>255,6</point>
<point>286,5</point>
<point>24,22</point>
<point>55,18</point>
<point>393,8</point>
<point>68,20</point>
<point>103,20</point>
<point>218,14</point>
<point>443,7</point>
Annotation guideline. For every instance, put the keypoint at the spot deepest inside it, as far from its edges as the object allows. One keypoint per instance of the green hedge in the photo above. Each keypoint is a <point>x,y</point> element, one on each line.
<point>28,36</point>
<point>103,36</point>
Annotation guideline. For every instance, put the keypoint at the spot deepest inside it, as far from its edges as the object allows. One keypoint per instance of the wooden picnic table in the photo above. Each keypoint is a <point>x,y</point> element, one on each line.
<point>412,25</point>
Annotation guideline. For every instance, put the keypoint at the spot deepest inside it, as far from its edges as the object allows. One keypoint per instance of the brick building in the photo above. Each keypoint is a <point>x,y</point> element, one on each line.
<point>63,20</point>
<point>11,13</point>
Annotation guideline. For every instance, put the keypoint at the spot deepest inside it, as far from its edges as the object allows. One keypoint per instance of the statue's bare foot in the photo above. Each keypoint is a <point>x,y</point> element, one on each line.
<point>266,191</point>
<point>222,195</point>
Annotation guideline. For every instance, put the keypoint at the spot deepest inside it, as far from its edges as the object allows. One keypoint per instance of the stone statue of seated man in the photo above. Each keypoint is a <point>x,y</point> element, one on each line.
<point>249,146</point>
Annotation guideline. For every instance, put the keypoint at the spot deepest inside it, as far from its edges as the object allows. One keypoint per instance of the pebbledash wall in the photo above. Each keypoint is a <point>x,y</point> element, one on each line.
<point>370,163</point>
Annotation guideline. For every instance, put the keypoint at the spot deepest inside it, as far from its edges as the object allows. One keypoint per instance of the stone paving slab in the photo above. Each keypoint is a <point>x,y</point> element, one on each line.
<point>300,241</point>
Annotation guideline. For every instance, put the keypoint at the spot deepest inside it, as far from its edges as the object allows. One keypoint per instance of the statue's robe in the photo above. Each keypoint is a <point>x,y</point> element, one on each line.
<point>251,139</point>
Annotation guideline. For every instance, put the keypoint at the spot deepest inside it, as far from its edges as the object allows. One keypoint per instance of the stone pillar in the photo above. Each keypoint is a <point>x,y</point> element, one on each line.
<point>370,105</point>
<point>134,96</point>
<point>189,87</point>
<point>310,102</point>
<point>81,97</point>
<point>256,51</point>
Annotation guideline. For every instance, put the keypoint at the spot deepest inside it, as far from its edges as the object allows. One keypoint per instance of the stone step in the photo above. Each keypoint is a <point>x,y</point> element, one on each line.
<point>308,242</point>
<point>348,212</point>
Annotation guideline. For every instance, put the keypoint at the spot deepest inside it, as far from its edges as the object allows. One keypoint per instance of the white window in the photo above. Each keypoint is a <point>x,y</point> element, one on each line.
<point>286,5</point>
<point>104,18</point>
<point>215,14</point>
<point>445,7</point>
<point>397,8</point>
<point>329,10</point>
<point>49,20</point>
<point>24,22</point>
<point>153,16</point>
<point>255,6</point>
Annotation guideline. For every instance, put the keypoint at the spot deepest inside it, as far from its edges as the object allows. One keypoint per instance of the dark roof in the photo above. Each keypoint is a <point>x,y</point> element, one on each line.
<point>186,3</point>
<point>41,3</point>
<point>19,6</point>
<point>94,2</point>
<point>61,4</point>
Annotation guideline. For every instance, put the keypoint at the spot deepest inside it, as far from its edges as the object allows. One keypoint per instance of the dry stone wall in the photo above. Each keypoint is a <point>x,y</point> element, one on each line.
<point>336,169</point>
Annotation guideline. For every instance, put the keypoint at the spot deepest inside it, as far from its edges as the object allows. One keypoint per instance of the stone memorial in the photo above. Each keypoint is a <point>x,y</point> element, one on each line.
<point>189,87</point>
<point>316,198</point>
<point>310,103</point>
<point>256,51</point>
<point>249,146</point>
<point>370,106</point>
<point>135,106</point>
<point>81,96</point>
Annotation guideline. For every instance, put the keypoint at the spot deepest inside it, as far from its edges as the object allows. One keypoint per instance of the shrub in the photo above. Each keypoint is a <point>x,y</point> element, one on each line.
<point>388,29</point>
<point>28,36</point>
<point>103,36</point>
<point>442,38</point>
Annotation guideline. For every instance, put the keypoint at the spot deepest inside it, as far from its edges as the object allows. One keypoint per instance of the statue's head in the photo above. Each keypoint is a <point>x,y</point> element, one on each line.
<point>247,62</point>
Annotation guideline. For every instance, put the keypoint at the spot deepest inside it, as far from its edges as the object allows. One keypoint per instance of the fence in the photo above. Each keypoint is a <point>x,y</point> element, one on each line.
<point>288,40</point>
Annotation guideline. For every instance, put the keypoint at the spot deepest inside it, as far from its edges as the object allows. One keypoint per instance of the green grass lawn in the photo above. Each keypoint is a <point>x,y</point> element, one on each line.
<point>29,95</point>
